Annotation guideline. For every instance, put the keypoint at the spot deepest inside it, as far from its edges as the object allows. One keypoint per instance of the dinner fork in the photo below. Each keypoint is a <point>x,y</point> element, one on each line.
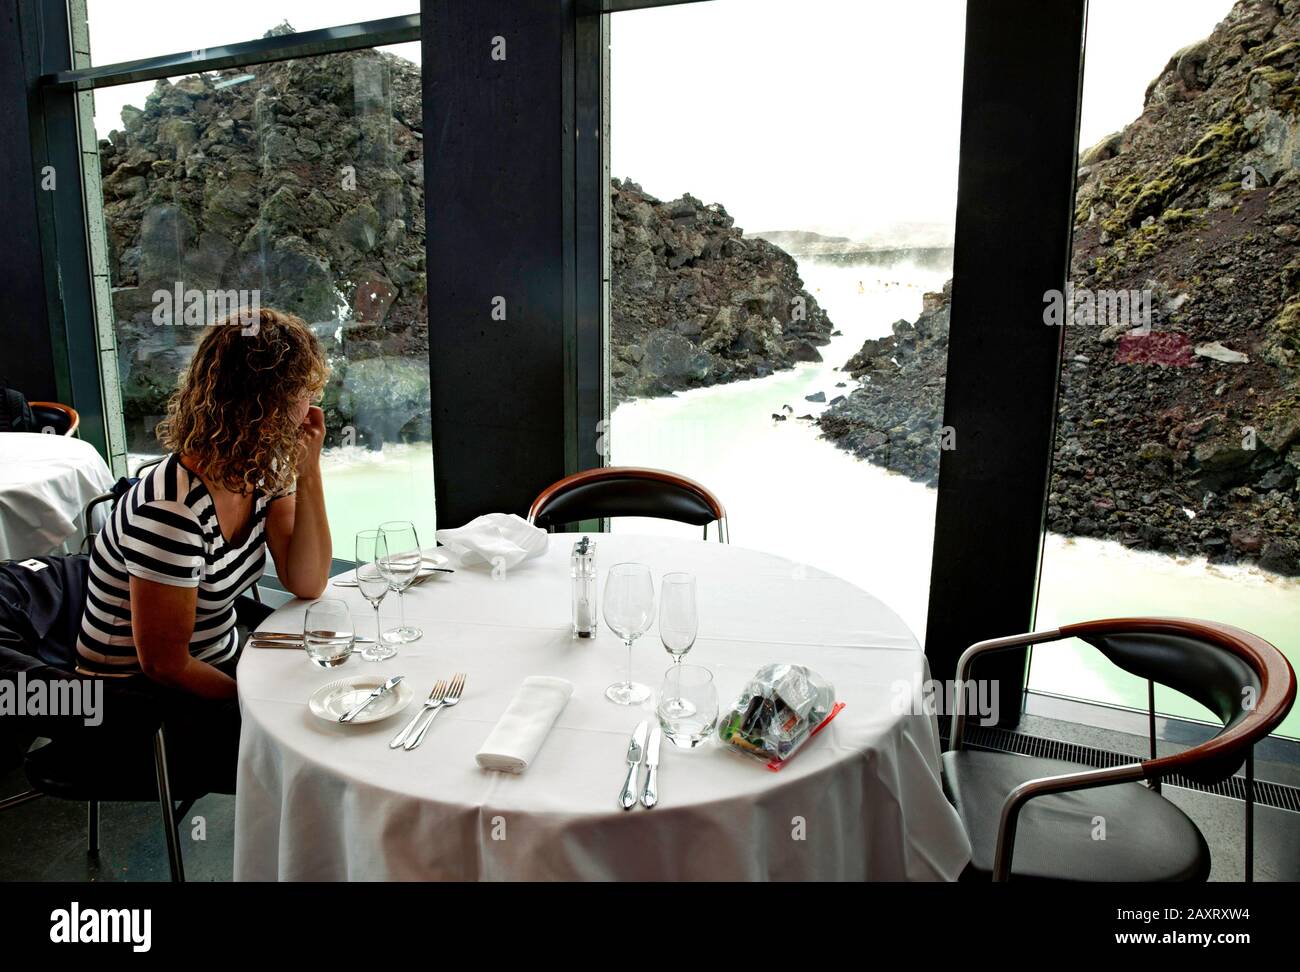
<point>435,699</point>
<point>451,698</point>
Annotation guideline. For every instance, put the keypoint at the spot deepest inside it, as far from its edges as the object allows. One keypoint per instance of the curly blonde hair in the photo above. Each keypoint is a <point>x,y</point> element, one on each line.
<point>233,408</point>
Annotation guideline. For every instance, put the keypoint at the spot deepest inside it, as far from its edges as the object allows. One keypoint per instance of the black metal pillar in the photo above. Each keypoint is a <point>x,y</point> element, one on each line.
<point>1015,200</point>
<point>510,317</point>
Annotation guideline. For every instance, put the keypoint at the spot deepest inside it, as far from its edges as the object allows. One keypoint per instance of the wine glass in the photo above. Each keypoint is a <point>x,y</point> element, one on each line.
<point>629,606</point>
<point>678,624</point>
<point>401,567</point>
<point>327,632</point>
<point>373,585</point>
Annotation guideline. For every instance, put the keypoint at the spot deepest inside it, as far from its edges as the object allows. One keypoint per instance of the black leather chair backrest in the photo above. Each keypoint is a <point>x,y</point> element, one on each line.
<point>47,417</point>
<point>1213,676</point>
<point>626,496</point>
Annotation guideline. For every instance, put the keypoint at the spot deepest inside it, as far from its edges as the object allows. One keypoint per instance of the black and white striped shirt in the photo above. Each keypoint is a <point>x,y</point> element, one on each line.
<point>165,529</point>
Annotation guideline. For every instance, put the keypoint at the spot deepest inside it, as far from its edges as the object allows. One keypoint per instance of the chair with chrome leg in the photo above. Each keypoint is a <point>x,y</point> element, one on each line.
<point>1046,819</point>
<point>61,419</point>
<point>628,491</point>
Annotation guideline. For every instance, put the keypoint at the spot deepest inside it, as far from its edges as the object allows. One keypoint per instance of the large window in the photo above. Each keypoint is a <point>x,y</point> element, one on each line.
<point>299,185</point>
<point>1178,441</point>
<point>781,233</point>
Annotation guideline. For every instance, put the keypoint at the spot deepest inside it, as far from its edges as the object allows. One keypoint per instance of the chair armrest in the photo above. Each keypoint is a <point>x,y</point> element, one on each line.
<point>967,659</point>
<point>1026,791</point>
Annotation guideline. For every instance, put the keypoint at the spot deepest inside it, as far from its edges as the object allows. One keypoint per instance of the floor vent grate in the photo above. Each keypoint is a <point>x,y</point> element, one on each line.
<point>997,740</point>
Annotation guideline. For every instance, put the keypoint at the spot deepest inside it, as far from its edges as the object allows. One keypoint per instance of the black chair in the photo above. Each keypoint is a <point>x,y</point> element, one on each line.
<point>1037,819</point>
<point>123,758</point>
<point>40,618</point>
<point>628,491</point>
<point>63,419</point>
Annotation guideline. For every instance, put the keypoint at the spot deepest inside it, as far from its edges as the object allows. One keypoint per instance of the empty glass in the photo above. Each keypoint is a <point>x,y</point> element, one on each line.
<point>373,585</point>
<point>401,567</point>
<point>327,632</point>
<point>692,685</point>
<point>678,624</point>
<point>629,606</point>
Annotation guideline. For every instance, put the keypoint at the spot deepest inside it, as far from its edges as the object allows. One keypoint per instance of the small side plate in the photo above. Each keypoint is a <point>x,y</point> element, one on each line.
<point>335,698</point>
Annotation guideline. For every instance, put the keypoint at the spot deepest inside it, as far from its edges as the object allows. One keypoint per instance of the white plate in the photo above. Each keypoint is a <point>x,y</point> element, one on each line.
<point>335,698</point>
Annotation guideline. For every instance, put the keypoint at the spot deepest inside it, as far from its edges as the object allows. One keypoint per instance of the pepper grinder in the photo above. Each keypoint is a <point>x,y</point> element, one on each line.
<point>582,564</point>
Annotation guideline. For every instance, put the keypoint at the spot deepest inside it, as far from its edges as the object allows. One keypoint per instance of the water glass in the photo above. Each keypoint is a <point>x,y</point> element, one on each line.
<point>327,632</point>
<point>690,724</point>
<point>401,567</point>
<point>629,606</point>
<point>372,584</point>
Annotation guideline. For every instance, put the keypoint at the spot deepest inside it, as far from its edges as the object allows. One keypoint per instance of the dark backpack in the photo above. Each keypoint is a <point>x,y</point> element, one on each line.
<point>15,413</point>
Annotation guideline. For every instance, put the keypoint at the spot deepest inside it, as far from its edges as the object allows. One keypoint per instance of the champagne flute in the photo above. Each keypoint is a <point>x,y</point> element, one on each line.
<point>401,567</point>
<point>373,585</point>
<point>678,625</point>
<point>629,605</point>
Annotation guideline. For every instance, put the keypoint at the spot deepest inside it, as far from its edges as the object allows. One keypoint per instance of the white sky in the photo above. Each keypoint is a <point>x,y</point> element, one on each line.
<point>841,116</point>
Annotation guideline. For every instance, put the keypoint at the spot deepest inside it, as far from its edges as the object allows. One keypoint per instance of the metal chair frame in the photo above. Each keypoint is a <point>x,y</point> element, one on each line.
<point>1278,698</point>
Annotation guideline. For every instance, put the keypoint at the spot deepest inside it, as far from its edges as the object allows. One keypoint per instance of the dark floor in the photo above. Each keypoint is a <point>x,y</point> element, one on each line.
<point>45,839</point>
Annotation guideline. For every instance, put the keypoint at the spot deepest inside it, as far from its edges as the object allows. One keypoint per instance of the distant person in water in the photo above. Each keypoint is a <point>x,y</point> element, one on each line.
<point>242,476</point>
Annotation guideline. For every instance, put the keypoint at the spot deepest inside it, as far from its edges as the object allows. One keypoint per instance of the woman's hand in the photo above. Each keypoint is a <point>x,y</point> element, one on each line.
<point>313,435</point>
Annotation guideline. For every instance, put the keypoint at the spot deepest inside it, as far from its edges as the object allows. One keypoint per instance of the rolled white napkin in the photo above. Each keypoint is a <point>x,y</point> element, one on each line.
<point>495,539</point>
<point>523,727</point>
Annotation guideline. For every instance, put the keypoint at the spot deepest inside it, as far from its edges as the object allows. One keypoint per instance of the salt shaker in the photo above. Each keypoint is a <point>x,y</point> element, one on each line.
<point>582,565</point>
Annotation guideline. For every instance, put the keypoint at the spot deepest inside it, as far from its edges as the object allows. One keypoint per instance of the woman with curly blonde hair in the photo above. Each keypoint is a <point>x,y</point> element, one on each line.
<point>242,476</point>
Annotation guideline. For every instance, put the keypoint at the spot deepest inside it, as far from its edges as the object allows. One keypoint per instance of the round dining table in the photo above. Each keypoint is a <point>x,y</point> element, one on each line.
<point>45,483</point>
<point>861,800</point>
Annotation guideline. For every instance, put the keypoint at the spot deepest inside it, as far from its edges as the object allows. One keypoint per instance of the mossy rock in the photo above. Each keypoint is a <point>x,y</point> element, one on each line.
<point>1178,218</point>
<point>1284,54</point>
<point>1287,325</point>
<point>1290,276</point>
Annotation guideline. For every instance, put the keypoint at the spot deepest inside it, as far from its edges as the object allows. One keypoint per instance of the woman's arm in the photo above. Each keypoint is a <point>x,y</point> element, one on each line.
<point>162,620</point>
<point>297,530</point>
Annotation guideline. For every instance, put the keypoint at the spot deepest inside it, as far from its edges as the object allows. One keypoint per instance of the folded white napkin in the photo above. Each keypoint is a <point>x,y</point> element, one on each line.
<point>522,728</point>
<point>495,539</point>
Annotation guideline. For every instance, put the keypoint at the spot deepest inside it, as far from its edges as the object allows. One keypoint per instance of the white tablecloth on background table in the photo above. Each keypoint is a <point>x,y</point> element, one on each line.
<point>862,800</point>
<point>45,483</point>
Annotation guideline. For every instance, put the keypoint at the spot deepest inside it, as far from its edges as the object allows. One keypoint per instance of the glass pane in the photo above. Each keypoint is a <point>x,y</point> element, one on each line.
<point>116,34</point>
<point>795,366</point>
<point>1178,439</point>
<point>300,182</point>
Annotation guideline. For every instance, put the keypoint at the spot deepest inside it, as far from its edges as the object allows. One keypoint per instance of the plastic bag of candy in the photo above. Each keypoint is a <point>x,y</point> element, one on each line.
<point>781,708</point>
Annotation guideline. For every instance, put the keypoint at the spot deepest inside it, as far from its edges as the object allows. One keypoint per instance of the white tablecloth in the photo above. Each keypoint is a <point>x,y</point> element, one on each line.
<point>862,800</point>
<point>45,482</point>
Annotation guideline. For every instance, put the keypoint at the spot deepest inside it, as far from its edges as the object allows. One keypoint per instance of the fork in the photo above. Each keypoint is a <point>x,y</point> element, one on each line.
<point>449,699</point>
<point>434,700</point>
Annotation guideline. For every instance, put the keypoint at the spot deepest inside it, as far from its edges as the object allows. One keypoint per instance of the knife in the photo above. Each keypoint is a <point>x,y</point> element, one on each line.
<point>650,795</point>
<point>635,750</point>
<point>419,578</point>
<point>353,712</point>
<point>257,641</point>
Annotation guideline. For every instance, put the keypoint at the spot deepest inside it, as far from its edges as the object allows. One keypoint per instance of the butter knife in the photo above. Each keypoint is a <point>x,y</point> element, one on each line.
<point>635,750</point>
<point>355,711</point>
<point>650,795</point>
